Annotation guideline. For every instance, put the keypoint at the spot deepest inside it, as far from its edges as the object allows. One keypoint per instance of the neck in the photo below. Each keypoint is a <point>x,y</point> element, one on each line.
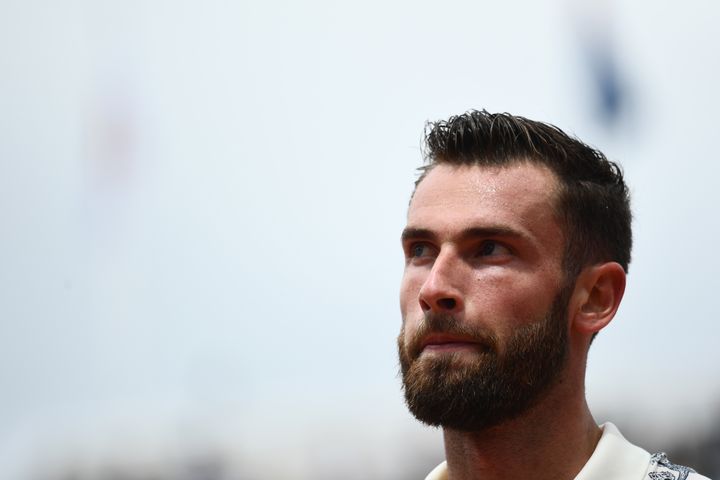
<point>551,441</point>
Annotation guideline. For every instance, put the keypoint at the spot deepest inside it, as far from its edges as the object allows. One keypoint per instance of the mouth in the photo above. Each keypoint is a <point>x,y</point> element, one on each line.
<point>441,343</point>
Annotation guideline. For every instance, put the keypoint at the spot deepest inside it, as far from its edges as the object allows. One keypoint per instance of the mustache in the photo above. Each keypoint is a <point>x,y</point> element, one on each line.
<point>445,323</point>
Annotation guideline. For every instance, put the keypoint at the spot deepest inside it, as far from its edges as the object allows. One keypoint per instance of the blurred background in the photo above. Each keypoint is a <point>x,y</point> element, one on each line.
<point>201,206</point>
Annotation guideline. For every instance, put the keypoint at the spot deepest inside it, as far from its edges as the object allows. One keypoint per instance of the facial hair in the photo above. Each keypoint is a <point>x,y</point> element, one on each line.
<point>472,394</point>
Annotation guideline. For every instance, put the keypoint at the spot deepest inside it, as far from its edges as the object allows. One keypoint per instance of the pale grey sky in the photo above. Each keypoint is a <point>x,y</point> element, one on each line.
<point>201,210</point>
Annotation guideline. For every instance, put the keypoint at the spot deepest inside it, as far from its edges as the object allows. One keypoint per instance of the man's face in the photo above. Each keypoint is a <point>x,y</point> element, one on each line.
<point>483,296</point>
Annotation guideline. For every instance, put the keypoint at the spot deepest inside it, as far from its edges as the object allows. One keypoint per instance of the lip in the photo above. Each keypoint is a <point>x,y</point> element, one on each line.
<point>448,343</point>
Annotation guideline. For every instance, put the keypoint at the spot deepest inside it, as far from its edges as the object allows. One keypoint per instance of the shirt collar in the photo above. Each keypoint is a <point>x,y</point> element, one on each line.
<point>614,457</point>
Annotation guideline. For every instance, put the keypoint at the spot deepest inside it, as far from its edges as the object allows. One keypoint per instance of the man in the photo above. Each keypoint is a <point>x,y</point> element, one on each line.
<point>517,244</point>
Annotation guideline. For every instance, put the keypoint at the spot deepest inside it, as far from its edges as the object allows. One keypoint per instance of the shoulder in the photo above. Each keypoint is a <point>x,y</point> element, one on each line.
<point>663,469</point>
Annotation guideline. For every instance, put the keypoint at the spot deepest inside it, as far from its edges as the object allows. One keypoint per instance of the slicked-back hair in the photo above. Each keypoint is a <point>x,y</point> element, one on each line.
<point>593,202</point>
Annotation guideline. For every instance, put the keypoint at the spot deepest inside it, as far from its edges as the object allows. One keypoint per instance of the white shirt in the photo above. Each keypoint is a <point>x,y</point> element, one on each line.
<point>615,458</point>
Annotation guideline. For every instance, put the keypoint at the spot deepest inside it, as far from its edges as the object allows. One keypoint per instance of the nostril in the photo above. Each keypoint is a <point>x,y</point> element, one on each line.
<point>447,303</point>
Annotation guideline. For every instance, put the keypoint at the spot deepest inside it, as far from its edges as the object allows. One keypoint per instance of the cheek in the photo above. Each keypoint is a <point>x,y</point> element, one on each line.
<point>512,300</point>
<point>409,291</point>
<point>412,314</point>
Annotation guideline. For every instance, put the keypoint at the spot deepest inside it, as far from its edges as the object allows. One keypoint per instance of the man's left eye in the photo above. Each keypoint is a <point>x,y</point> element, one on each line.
<point>490,247</point>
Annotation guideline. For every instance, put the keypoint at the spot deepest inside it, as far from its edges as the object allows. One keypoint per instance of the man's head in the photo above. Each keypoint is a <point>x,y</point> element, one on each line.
<point>506,216</point>
<point>592,201</point>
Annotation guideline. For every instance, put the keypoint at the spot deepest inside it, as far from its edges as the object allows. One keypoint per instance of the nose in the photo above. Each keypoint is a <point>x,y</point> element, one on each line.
<point>441,293</point>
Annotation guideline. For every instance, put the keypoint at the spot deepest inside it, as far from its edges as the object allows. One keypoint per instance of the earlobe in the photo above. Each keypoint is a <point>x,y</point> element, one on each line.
<point>601,288</point>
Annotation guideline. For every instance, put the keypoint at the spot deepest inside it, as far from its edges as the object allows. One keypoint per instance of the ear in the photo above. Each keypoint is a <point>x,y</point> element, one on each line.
<point>598,291</point>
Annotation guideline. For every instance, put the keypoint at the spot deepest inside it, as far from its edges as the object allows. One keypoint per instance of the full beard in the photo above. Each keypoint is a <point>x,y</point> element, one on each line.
<point>472,394</point>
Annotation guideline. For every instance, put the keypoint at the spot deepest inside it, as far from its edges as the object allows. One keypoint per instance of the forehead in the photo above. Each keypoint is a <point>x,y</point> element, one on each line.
<point>521,196</point>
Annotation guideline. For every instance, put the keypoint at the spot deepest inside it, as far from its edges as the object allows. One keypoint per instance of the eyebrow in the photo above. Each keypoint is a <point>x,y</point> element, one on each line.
<point>466,234</point>
<point>416,234</point>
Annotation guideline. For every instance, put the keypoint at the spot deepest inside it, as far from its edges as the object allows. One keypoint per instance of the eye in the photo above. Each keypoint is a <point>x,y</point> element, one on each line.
<point>420,253</point>
<point>418,250</point>
<point>490,248</point>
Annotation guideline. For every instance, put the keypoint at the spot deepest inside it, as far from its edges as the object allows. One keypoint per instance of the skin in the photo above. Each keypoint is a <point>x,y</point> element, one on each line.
<point>484,244</point>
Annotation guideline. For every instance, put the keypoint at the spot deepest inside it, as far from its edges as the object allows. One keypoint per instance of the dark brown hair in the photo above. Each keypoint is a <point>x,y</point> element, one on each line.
<point>593,202</point>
